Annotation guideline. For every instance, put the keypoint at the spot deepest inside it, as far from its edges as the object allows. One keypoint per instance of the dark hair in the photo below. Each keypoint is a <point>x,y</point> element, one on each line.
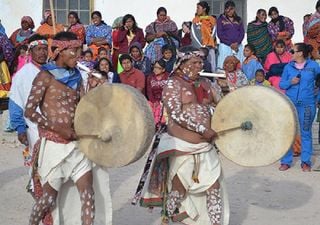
<point>75,14</point>
<point>229,4</point>
<point>129,16</point>
<point>161,62</point>
<point>101,49</point>
<point>97,13</point>
<point>273,9</point>
<point>124,57</point>
<point>258,12</point>
<point>304,48</point>
<point>251,47</point>
<point>260,71</point>
<point>97,66</point>
<point>15,61</point>
<point>86,52</point>
<point>161,9</point>
<point>232,4</point>
<point>64,36</point>
<point>36,37</point>
<point>204,5</point>
<point>318,4</point>
<point>205,51</point>
<point>280,42</point>
<point>187,23</point>
<point>307,15</point>
<point>168,47</point>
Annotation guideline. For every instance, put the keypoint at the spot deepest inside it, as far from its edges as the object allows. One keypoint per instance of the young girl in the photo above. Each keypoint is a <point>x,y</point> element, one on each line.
<point>168,55</point>
<point>87,59</point>
<point>259,79</point>
<point>20,59</point>
<point>251,63</point>
<point>155,84</point>
<point>104,65</point>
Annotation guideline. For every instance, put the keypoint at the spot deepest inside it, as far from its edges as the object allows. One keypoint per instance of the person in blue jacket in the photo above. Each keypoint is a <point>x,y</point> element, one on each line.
<point>298,80</point>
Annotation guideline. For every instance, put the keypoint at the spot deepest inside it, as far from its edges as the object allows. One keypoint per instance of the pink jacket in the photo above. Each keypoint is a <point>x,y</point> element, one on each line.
<point>273,59</point>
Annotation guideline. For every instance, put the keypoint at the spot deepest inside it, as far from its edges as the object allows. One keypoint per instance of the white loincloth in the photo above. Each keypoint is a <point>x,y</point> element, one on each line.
<point>193,209</point>
<point>52,164</point>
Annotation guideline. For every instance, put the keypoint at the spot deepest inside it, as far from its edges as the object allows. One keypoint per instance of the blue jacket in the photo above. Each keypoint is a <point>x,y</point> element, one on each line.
<point>303,92</point>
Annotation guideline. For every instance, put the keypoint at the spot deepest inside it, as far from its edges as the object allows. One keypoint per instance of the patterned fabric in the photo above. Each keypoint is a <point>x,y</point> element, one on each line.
<point>101,31</point>
<point>285,33</point>
<point>6,49</point>
<point>206,24</point>
<point>79,30</point>
<point>182,56</point>
<point>5,80</point>
<point>36,43</point>
<point>258,36</point>
<point>312,32</point>
<point>62,45</point>
<point>166,26</point>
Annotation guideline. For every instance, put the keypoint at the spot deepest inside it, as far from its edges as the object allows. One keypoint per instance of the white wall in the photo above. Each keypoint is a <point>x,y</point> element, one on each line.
<point>13,10</point>
<point>144,11</point>
<point>294,9</point>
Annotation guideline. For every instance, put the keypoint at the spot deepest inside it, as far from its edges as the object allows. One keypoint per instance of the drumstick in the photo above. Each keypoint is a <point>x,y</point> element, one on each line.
<point>53,17</point>
<point>219,75</point>
<point>87,69</point>
<point>247,125</point>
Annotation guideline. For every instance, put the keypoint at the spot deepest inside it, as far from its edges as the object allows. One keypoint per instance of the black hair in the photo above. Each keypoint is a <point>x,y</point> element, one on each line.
<point>161,62</point>
<point>251,47</point>
<point>101,49</point>
<point>75,14</point>
<point>307,15</point>
<point>97,13</point>
<point>187,23</point>
<point>168,47</point>
<point>97,66</point>
<point>86,52</point>
<point>258,12</point>
<point>273,9</point>
<point>304,48</point>
<point>232,4</point>
<point>205,51</point>
<point>204,5</point>
<point>161,9</point>
<point>280,42</point>
<point>36,37</point>
<point>124,57</point>
<point>318,4</point>
<point>260,71</point>
<point>129,16</point>
<point>64,36</point>
<point>15,61</point>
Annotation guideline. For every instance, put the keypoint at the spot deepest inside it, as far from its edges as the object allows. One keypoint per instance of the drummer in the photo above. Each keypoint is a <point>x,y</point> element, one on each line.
<point>56,91</point>
<point>193,184</point>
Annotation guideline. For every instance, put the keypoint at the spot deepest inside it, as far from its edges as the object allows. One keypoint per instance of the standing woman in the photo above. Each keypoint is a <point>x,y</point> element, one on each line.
<point>98,34</point>
<point>159,33</point>
<point>312,32</point>
<point>20,36</point>
<point>203,31</point>
<point>76,26</point>
<point>258,35</point>
<point>280,27</point>
<point>231,33</point>
<point>298,79</point>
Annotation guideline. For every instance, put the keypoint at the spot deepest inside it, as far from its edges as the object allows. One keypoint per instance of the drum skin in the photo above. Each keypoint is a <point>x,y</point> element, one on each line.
<point>124,113</point>
<point>274,120</point>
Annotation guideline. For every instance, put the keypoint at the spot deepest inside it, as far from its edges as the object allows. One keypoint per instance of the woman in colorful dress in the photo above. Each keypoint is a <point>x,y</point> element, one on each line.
<point>231,33</point>
<point>160,32</point>
<point>203,31</point>
<point>20,36</point>
<point>258,35</point>
<point>76,26</point>
<point>280,27</point>
<point>98,34</point>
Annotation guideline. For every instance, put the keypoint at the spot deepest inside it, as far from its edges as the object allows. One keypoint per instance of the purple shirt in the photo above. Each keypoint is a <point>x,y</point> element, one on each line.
<point>229,32</point>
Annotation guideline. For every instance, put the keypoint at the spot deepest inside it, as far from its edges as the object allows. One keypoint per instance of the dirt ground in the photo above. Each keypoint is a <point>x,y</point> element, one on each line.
<point>258,196</point>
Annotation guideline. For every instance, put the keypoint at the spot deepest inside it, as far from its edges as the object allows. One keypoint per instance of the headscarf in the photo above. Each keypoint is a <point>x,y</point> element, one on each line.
<point>46,15</point>
<point>29,20</point>
<point>36,43</point>
<point>233,59</point>
<point>183,56</point>
<point>62,45</point>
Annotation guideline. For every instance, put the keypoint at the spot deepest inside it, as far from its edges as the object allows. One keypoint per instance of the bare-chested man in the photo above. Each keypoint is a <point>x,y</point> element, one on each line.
<point>193,186</point>
<point>56,91</point>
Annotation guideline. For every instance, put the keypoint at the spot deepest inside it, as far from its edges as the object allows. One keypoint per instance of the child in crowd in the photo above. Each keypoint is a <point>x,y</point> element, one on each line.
<point>259,79</point>
<point>140,61</point>
<point>21,57</point>
<point>251,63</point>
<point>155,83</point>
<point>103,53</point>
<point>104,65</point>
<point>87,59</point>
<point>206,64</point>
<point>169,56</point>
